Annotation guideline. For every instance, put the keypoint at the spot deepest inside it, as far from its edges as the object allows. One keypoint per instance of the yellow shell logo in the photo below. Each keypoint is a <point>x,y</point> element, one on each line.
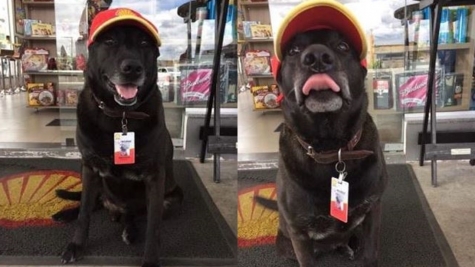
<point>28,199</point>
<point>124,12</point>
<point>256,224</point>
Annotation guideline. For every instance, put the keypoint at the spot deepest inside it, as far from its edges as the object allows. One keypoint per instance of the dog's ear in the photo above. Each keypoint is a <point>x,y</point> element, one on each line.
<point>364,66</point>
<point>275,68</point>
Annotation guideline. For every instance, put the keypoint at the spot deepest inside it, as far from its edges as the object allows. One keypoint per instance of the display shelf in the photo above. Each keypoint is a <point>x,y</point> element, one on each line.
<point>254,4</point>
<point>38,3</point>
<point>56,72</point>
<point>173,105</point>
<point>51,107</point>
<point>256,40</point>
<point>402,49</point>
<point>261,76</point>
<point>267,109</point>
<point>36,38</point>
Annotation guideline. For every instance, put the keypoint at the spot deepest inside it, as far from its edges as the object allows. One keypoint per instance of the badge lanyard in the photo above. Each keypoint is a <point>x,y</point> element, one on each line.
<point>124,145</point>
<point>339,192</point>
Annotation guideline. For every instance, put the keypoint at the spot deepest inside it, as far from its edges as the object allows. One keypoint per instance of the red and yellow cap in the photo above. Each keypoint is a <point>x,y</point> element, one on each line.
<point>124,16</point>
<point>319,14</point>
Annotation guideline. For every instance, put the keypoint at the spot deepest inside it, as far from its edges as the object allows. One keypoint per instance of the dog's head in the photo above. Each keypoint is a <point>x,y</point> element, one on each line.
<point>123,51</point>
<point>319,53</point>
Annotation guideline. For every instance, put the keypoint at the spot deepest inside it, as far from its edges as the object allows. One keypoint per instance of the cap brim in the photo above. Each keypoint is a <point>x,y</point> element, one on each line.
<point>311,15</point>
<point>130,20</point>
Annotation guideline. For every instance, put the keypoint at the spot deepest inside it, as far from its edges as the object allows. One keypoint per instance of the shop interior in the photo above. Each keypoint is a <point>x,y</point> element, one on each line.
<point>44,54</point>
<point>37,118</point>
<point>398,33</point>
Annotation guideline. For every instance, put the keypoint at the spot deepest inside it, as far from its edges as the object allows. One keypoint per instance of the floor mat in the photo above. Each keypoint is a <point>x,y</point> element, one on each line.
<point>410,233</point>
<point>62,122</point>
<point>196,236</point>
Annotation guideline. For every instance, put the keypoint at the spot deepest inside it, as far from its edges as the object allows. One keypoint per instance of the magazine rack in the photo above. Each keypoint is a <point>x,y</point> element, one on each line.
<point>465,147</point>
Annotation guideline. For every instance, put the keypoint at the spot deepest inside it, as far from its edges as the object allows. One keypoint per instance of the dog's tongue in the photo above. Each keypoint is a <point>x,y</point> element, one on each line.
<point>320,82</point>
<point>126,91</point>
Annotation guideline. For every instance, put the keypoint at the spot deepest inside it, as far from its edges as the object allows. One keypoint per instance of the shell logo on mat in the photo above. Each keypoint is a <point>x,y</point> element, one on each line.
<point>29,199</point>
<point>256,224</point>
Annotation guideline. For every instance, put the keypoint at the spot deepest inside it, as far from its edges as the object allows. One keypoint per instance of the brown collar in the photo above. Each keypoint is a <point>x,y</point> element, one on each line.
<point>347,152</point>
<point>120,113</point>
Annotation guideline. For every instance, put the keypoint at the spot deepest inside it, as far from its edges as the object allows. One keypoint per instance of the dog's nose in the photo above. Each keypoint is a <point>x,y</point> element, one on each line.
<point>318,58</point>
<point>131,67</point>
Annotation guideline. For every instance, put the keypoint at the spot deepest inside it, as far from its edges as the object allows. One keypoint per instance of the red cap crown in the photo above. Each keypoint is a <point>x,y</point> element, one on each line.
<point>319,14</point>
<point>124,16</point>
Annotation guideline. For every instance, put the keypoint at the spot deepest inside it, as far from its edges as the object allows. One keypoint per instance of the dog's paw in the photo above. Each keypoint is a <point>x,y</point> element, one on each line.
<point>147,264</point>
<point>66,216</point>
<point>172,201</point>
<point>71,254</point>
<point>129,235</point>
<point>284,246</point>
<point>348,252</point>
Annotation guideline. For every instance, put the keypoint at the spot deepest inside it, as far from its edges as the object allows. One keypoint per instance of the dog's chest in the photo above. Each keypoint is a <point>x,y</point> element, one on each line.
<point>113,172</point>
<point>325,227</point>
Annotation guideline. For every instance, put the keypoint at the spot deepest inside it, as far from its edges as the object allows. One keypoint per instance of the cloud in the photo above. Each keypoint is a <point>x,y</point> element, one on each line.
<point>374,15</point>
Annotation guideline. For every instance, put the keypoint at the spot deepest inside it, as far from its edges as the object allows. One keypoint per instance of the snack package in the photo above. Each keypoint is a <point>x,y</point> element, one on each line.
<point>41,29</point>
<point>33,91</point>
<point>261,31</point>
<point>35,59</point>
<point>257,62</point>
<point>70,97</point>
<point>265,96</point>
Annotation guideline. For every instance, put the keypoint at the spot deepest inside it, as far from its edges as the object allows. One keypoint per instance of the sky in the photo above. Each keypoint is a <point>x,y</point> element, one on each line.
<point>172,28</point>
<point>375,15</point>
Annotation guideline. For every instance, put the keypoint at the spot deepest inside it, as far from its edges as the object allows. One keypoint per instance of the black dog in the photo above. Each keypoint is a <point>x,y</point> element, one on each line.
<point>325,111</point>
<point>120,94</point>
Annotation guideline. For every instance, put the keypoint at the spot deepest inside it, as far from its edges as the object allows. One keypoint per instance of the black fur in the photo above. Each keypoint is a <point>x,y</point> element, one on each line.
<point>327,120</point>
<point>126,190</point>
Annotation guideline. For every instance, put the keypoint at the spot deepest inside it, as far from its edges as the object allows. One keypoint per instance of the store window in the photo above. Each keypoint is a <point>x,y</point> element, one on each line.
<point>187,30</point>
<point>398,59</point>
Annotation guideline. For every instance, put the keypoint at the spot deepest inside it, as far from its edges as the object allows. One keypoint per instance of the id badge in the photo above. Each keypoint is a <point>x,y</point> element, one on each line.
<point>124,148</point>
<point>339,200</point>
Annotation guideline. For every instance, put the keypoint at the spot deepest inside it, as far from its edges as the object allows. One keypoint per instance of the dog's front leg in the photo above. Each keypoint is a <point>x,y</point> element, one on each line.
<point>90,190</point>
<point>303,248</point>
<point>371,235</point>
<point>155,193</point>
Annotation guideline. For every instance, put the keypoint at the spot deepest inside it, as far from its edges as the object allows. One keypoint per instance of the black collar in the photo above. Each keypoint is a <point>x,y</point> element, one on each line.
<point>130,114</point>
<point>347,152</point>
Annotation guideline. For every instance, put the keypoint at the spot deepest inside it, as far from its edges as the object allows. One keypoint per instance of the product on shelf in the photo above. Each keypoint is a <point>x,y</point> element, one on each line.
<point>261,31</point>
<point>195,83</point>
<point>257,62</point>
<point>382,91</point>
<point>246,27</point>
<point>39,29</point>
<point>453,88</point>
<point>265,96</point>
<point>40,94</point>
<point>35,59</point>
<point>411,89</point>
<point>27,23</point>
<point>71,97</point>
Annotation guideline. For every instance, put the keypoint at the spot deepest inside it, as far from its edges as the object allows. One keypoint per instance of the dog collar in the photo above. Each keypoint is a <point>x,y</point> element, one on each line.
<point>347,152</point>
<point>114,113</point>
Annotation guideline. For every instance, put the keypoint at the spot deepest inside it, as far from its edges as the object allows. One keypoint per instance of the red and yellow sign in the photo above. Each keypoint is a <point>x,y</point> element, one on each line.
<point>29,198</point>
<point>256,224</point>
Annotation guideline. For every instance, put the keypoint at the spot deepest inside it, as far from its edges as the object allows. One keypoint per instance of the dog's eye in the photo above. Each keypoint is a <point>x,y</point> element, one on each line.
<point>294,50</point>
<point>144,43</point>
<point>343,47</point>
<point>110,42</point>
